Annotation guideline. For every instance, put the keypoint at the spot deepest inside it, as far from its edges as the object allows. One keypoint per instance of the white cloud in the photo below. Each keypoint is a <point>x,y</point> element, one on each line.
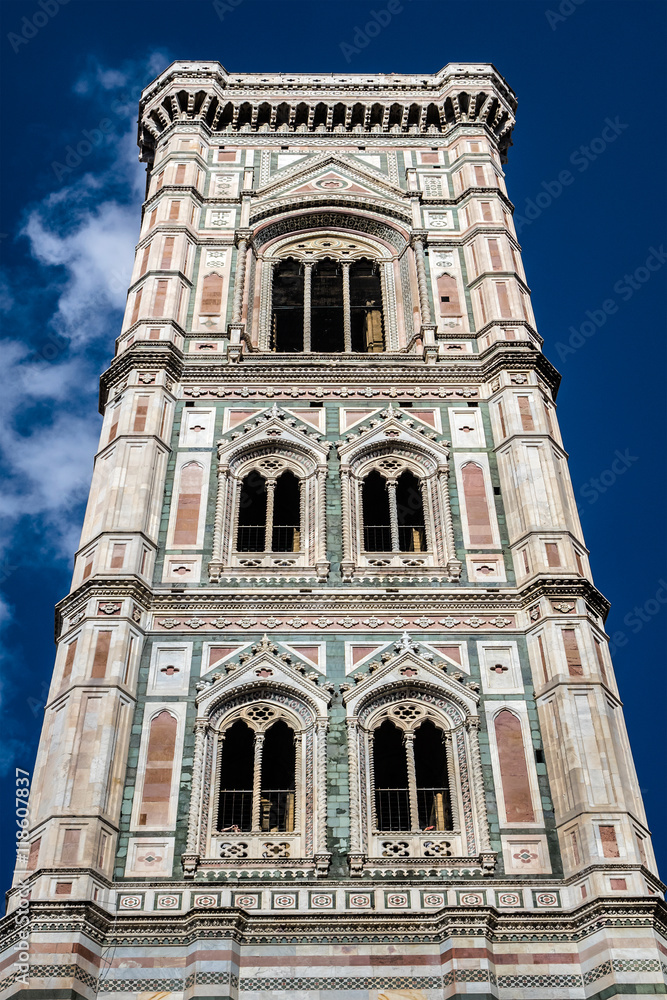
<point>81,241</point>
<point>98,254</point>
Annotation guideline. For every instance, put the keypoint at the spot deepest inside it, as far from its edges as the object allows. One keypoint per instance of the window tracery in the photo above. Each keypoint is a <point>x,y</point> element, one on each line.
<point>416,788</point>
<point>328,293</point>
<point>271,504</point>
<point>396,508</point>
<point>259,767</point>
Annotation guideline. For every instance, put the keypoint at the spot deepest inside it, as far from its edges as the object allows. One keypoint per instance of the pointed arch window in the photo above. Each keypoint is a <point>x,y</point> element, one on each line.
<point>393,514</point>
<point>257,779</point>
<point>411,779</point>
<point>269,513</point>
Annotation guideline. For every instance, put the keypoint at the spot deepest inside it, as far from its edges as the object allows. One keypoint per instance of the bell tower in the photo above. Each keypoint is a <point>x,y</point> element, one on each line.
<point>332,711</point>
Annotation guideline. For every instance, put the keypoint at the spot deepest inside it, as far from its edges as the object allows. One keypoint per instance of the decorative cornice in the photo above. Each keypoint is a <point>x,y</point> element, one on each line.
<point>159,929</point>
<point>203,93</point>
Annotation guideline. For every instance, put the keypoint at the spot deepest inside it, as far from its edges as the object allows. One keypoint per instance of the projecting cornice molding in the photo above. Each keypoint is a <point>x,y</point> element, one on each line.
<point>204,93</point>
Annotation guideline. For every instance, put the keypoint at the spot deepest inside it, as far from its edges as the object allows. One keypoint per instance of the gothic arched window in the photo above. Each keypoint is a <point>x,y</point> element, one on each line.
<point>375,505</point>
<point>257,780</point>
<point>278,780</point>
<point>251,535</point>
<point>236,782</point>
<point>393,514</point>
<point>271,501</point>
<point>287,324</point>
<point>392,795</point>
<point>411,779</point>
<point>269,513</point>
<point>433,794</point>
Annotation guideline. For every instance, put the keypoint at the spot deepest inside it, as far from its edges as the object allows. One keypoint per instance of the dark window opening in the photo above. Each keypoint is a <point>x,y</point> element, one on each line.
<point>392,800</point>
<point>326,307</point>
<point>301,117</point>
<point>282,117</point>
<point>339,114</point>
<point>277,786</point>
<point>235,807</point>
<point>286,516</point>
<point>287,322</point>
<point>375,508</point>
<point>252,514</point>
<point>410,510</point>
<point>433,797</point>
<point>366,308</point>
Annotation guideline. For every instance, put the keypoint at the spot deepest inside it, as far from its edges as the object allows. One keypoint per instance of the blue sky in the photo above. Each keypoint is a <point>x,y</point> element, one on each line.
<point>590,81</point>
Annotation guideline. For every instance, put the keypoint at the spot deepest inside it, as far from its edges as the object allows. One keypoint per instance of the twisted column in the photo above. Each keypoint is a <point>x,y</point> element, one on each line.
<point>393,516</point>
<point>321,792</point>
<point>321,524</point>
<point>429,526</point>
<point>477,781</point>
<point>409,741</point>
<point>194,818</point>
<point>307,287</point>
<point>353,779</point>
<point>268,524</point>
<point>424,305</point>
<point>257,783</point>
<point>215,565</point>
<point>451,780</point>
<point>298,778</point>
<point>347,564</point>
<point>453,564</point>
<point>265,304</point>
<point>347,312</point>
<point>239,282</point>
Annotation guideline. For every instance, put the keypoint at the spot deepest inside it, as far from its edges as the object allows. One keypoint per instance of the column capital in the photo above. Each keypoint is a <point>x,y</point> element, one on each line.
<point>418,236</point>
<point>242,236</point>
